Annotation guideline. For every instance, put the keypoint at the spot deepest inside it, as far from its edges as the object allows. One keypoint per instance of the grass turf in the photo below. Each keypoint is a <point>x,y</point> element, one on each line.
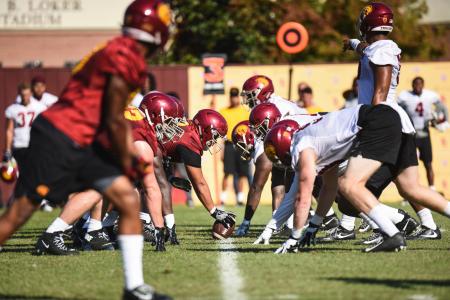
<point>189,271</point>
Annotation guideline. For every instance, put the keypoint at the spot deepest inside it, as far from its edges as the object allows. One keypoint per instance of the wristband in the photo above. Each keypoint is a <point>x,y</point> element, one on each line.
<point>354,43</point>
<point>213,210</point>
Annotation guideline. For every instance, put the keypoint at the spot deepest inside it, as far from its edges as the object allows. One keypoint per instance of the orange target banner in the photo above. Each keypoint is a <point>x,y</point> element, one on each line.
<point>292,37</point>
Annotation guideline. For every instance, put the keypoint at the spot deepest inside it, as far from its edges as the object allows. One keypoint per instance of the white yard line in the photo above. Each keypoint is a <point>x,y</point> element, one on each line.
<point>230,276</point>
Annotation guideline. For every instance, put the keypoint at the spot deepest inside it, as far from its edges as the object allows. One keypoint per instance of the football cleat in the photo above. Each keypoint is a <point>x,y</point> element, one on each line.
<point>98,240</point>
<point>364,227</point>
<point>243,229</point>
<point>171,235</point>
<point>330,222</point>
<point>394,243</point>
<point>374,238</point>
<point>159,240</point>
<point>425,233</point>
<point>148,231</point>
<point>338,234</point>
<point>53,244</point>
<point>143,292</point>
<point>408,225</point>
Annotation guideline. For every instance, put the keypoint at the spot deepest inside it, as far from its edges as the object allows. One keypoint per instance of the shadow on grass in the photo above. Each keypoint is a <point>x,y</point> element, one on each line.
<point>238,250</point>
<point>395,283</point>
<point>20,297</point>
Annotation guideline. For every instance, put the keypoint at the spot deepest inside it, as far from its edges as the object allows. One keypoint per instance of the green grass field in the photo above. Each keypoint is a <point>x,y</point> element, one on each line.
<point>191,270</point>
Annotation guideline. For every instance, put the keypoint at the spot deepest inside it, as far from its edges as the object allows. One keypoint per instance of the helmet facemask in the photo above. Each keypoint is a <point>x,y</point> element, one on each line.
<point>213,145</point>
<point>250,98</point>
<point>245,148</point>
<point>261,129</point>
<point>168,130</point>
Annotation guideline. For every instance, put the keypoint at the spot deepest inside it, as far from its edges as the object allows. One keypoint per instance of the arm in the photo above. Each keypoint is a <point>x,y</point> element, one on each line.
<point>9,135</point>
<point>118,129</point>
<point>263,167</point>
<point>200,186</point>
<point>382,75</point>
<point>153,196</point>
<point>441,107</point>
<point>164,185</point>
<point>307,175</point>
<point>328,191</point>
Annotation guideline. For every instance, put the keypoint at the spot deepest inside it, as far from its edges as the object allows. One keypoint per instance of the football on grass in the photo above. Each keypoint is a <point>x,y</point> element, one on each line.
<point>219,232</point>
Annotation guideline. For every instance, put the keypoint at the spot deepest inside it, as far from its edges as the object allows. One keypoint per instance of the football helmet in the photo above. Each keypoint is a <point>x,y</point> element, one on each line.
<point>277,144</point>
<point>211,127</point>
<point>375,17</point>
<point>257,89</point>
<point>148,21</point>
<point>243,139</point>
<point>164,113</point>
<point>262,118</point>
<point>9,170</point>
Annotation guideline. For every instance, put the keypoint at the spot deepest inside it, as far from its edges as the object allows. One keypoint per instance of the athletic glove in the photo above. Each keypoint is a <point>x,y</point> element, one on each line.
<point>265,236</point>
<point>159,239</point>
<point>309,235</point>
<point>7,156</point>
<point>180,183</point>
<point>290,246</point>
<point>227,218</point>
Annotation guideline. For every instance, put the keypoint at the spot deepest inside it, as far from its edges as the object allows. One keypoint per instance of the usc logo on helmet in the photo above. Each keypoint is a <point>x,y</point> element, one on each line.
<point>271,152</point>
<point>367,10</point>
<point>133,114</point>
<point>241,129</point>
<point>164,13</point>
<point>262,80</point>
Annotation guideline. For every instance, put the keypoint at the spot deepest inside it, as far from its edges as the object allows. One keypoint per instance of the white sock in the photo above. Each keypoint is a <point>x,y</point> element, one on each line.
<point>132,246</point>
<point>426,218</point>
<point>223,196</point>
<point>246,222</point>
<point>348,222</point>
<point>240,197</point>
<point>274,211</point>
<point>110,218</point>
<point>94,225</point>
<point>330,212</point>
<point>447,210</point>
<point>366,218</point>
<point>169,220</point>
<point>378,215</point>
<point>144,217</point>
<point>392,214</point>
<point>57,225</point>
<point>290,222</point>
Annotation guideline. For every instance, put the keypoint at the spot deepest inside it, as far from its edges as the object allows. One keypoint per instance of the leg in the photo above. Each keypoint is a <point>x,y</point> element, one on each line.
<point>430,174</point>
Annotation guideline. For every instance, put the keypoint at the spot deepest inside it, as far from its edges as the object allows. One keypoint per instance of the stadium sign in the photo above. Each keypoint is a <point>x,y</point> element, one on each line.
<point>61,14</point>
<point>213,75</point>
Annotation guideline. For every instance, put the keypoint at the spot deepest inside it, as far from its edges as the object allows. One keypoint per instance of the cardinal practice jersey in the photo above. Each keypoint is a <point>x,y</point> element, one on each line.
<point>190,139</point>
<point>22,117</point>
<point>47,99</point>
<point>286,107</point>
<point>419,107</point>
<point>78,112</point>
<point>384,52</point>
<point>331,138</point>
<point>141,130</point>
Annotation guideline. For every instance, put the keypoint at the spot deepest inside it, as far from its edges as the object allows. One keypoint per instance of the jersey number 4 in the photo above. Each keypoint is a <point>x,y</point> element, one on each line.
<point>419,109</point>
<point>23,119</point>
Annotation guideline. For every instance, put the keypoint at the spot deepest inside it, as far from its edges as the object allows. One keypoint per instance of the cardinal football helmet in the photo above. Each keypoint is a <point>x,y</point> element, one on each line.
<point>257,89</point>
<point>211,127</point>
<point>148,21</point>
<point>164,113</point>
<point>375,17</point>
<point>243,139</point>
<point>277,144</point>
<point>262,118</point>
<point>9,170</point>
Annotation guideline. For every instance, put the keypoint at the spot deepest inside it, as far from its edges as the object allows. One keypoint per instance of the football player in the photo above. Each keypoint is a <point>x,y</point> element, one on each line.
<point>39,91</point>
<point>64,156</point>
<point>256,90</point>
<point>200,134</point>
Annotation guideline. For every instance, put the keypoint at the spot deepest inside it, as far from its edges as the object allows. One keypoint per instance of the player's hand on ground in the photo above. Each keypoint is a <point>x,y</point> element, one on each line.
<point>265,236</point>
<point>290,246</point>
<point>227,218</point>
<point>309,236</point>
<point>180,183</point>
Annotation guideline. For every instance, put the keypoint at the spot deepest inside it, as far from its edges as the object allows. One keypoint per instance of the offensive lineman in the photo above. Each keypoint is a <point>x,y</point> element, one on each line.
<point>63,155</point>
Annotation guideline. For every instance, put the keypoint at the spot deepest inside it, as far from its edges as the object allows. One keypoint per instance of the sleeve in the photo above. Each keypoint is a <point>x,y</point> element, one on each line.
<point>189,157</point>
<point>383,56</point>
<point>9,112</point>
<point>435,96</point>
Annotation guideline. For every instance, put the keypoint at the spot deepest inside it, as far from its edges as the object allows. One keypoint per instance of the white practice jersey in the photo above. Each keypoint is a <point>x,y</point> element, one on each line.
<point>419,108</point>
<point>22,117</point>
<point>331,138</point>
<point>384,52</point>
<point>47,99</point>
<point>286,107</point>
<point>259,149</point>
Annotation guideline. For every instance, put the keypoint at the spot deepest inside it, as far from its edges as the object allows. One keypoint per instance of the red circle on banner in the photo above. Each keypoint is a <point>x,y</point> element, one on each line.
<point>292,37</point>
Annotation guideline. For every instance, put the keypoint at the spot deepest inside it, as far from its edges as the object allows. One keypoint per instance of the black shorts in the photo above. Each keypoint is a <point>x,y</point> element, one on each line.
<point>233,163</point>
<point>20,155</point>
<point>381,134</point>
<point>281,176</point>
<point>425,151</point>
<point>55,166</point>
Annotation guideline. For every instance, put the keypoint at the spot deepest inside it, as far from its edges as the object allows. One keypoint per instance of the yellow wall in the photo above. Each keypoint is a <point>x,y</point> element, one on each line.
<point>328,82</point>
